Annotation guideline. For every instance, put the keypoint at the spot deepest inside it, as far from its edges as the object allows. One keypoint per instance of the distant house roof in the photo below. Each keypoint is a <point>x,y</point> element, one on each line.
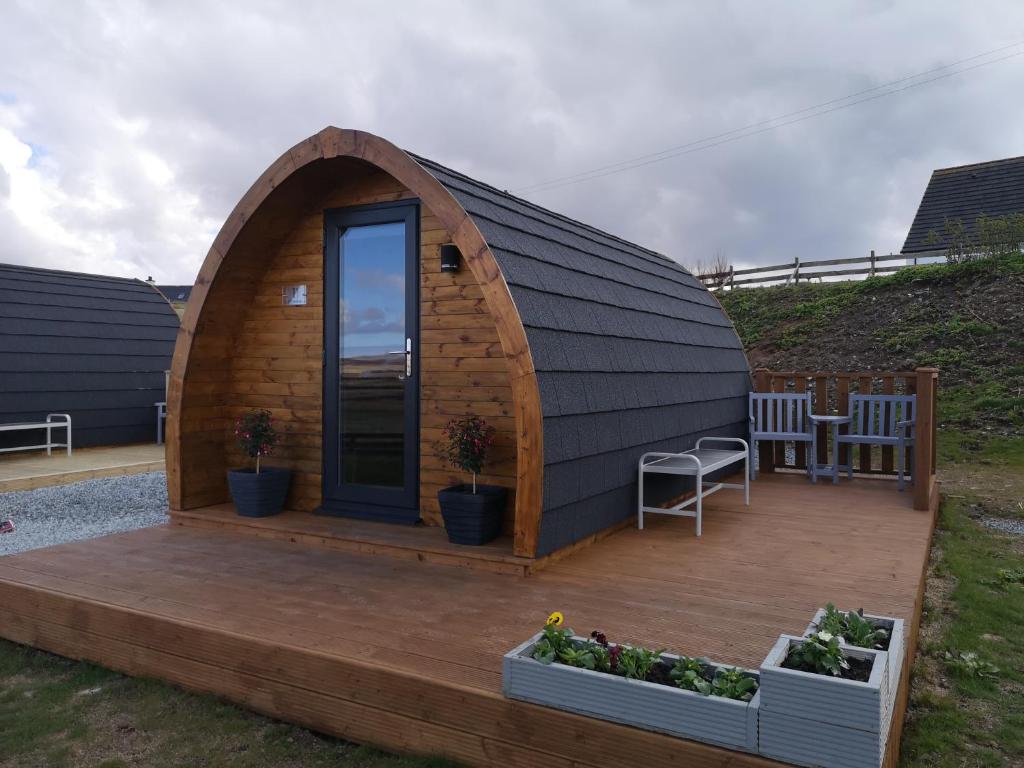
<point>89,345</point>
<point>995,188</point>
<point>175,292</point>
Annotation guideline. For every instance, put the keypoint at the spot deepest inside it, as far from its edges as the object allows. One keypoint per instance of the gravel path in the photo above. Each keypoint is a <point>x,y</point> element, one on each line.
<point>48,516</point>
<point>1004,524</point>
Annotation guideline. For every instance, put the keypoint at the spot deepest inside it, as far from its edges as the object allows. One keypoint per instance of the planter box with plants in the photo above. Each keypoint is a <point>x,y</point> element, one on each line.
<point>824,703</point>
<point>472,513</point>
<point>260,491</point>
<point>856,628</point>
<point>691,698</point>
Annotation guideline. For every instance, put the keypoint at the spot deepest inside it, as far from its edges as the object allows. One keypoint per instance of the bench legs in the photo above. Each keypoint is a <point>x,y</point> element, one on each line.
<point>746,480</point>
<point>640,500</point>
<point>700,500</point>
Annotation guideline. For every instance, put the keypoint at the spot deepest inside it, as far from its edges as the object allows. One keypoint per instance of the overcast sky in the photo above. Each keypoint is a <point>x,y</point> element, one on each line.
<point>128,130</point>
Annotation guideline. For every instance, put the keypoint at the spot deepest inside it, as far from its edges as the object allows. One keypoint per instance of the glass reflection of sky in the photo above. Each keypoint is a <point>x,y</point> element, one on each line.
<point>372,290</point>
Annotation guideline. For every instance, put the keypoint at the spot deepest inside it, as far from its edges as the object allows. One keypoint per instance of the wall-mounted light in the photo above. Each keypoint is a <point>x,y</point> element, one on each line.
<point>450,258</point>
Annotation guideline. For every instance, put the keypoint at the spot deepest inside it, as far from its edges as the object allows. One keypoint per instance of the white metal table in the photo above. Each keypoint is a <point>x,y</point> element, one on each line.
<point>695,463</point>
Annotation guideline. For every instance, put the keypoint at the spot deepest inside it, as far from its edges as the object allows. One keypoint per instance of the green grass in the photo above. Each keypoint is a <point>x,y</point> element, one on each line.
<point>806,310</point>
<point>974,603</point>
<point>977,720</point>
<point>65,714</point>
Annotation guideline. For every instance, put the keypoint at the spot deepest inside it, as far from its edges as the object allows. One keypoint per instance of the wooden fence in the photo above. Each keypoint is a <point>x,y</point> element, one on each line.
<point>831,391</point>
<point>793,272</point>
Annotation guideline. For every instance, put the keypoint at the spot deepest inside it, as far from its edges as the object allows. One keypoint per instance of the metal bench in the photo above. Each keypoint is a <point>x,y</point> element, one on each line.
<point>49,425</point>
<point>695,463</point>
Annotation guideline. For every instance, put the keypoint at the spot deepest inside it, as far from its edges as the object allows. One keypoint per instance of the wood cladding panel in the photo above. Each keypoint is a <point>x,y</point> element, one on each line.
<point>272,360</point>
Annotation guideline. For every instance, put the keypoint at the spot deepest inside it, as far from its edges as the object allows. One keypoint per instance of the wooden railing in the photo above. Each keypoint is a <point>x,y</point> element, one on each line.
<point>792,272</point>
<point>831,392</point>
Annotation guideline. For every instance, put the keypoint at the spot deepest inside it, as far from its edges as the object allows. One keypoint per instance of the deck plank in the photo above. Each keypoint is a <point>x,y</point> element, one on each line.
<point>332,638</point>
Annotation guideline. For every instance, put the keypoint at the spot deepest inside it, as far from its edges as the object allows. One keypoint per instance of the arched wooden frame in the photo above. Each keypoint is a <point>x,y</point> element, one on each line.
<point>337,143</point>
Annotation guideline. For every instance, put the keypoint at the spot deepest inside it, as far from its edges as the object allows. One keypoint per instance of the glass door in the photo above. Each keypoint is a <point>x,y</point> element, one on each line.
<point>371,397</point>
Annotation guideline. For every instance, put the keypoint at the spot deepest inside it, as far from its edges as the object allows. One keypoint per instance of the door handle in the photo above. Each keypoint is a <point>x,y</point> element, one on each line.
<point>408,356</point>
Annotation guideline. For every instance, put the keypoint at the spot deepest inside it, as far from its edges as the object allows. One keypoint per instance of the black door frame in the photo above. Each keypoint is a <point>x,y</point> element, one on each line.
<point>370,502</point>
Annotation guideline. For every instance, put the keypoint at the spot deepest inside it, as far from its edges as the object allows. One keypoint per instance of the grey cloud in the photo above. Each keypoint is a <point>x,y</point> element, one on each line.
<point>514,94</point>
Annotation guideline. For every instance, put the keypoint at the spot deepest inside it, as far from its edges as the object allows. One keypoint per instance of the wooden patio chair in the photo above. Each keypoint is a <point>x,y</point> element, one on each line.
<point>878,420</point>
<point>782,416</point>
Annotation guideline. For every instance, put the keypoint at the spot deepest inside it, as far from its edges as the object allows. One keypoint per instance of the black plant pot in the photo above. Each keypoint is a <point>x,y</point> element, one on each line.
<point>259,495</point>
<point>472,518</point>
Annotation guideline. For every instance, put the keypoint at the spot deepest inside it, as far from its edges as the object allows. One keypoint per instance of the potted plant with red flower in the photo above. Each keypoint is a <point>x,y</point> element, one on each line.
<point>259,491</point>
<point>472,512</point>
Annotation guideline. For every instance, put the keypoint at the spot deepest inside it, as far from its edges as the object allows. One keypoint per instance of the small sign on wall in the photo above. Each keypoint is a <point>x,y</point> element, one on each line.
<point>294,295</point>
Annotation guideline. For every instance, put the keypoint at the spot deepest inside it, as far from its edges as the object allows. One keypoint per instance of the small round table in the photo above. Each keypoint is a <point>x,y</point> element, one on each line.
<point>833,423</point>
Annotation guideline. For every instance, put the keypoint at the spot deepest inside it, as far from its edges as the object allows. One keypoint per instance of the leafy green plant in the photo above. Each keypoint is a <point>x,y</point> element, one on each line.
<point>255,435</point>
<point>862,633</point>
<point>732,683</point>
<point>636,663</point>
<point>820,653</point>
<point>969,664</point>
<point>552,643</point>
<point>467,442</point>
<point>689,674</point>
<point>995,236</point>
<point>578,656</point>
<point>852,628</point>
<point>1010,575</point>
<point>831,621</point>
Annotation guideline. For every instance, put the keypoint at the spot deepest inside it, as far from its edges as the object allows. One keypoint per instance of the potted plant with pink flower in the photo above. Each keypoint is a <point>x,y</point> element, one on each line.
<point>472,512</point>
<point>258,491</point>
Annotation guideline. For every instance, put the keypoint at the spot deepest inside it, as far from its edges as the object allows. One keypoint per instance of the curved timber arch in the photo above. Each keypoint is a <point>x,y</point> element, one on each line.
<point>234,261</point>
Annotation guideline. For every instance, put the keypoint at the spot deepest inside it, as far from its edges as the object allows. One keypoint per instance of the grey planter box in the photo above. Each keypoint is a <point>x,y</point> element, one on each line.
<point>897,644</point>
<point>820,720</point>
<point>654,707</point>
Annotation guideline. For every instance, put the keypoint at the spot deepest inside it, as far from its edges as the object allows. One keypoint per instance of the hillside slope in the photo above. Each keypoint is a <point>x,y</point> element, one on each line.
<point>965,319</point>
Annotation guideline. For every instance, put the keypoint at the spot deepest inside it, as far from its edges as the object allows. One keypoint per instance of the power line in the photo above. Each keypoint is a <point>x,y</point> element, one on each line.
<point>817,111</point>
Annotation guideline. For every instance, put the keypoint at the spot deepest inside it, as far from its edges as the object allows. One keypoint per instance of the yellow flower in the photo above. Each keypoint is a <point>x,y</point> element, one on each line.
<point>556,619</point>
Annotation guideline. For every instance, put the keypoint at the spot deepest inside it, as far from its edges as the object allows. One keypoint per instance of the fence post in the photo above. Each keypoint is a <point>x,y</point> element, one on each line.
<point>871,273</point>
<point>924,437</point>
<point>765,454</point>
<point>732,269</point>
<point>796,270</point>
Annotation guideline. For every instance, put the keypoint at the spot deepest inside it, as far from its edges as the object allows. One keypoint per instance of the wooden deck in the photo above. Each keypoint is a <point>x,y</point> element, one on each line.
<point>406,654</point>
<point>25,471</point>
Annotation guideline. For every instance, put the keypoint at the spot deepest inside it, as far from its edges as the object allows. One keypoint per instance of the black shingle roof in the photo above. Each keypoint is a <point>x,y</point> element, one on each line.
<point>966,192</point>
<point>632,355</point>
<point>92,346</point>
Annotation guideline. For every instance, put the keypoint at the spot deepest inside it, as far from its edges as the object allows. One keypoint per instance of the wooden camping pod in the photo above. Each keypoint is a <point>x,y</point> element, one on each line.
<point>583,350</point>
